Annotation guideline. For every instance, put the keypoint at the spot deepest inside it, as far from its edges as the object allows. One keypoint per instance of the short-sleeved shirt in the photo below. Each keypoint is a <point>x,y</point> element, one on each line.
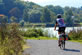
<point>60,22</point>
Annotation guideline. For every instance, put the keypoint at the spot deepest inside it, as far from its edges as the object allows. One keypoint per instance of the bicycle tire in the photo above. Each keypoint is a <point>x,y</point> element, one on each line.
<point>62,44</point>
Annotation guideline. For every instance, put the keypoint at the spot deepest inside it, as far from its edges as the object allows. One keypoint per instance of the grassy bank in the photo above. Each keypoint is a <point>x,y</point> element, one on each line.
<point>41,38</point>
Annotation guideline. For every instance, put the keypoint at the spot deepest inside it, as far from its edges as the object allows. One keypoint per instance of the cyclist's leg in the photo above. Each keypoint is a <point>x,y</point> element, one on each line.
<point>64,36</point>
<point>63,31</point>
<point>59,33</point>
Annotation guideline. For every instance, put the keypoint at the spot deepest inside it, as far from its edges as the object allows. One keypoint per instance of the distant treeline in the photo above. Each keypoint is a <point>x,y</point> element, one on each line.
<point>29,12</point>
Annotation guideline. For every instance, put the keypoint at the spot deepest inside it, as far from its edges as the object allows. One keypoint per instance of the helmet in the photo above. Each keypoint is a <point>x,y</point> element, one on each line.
<point>58,15</point>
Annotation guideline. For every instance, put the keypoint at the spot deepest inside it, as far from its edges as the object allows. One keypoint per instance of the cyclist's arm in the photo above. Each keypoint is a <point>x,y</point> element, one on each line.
<point>55,25</point>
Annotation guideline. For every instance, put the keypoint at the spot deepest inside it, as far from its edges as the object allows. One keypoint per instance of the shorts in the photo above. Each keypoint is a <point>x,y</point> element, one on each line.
<point>61,29</point>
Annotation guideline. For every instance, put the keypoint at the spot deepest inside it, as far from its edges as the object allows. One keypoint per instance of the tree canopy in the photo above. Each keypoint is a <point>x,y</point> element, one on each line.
<point>34,13</point>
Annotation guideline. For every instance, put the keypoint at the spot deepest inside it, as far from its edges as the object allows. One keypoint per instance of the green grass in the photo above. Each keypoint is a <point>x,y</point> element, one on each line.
<point>80,23</point>
<point>41,38</point>
<point>79,41</point>
<point>48,38</point>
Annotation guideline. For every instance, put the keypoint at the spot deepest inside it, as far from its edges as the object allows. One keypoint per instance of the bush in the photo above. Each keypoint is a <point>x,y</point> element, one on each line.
<point>75,35</point>
<point>33,33</point>
<point>45,33</point>
<point>22,23</point>
<point>12,42</point>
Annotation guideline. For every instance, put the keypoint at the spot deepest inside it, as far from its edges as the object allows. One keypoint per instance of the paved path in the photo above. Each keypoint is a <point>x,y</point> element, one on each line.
<point>50,47</point>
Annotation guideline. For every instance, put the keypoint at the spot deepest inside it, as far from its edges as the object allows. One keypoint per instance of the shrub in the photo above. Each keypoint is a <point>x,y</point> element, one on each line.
<point>22,23</point>
<point>75,35</point>
<point>12,42</point>
<point>33,33</point>
<point>45,33</point>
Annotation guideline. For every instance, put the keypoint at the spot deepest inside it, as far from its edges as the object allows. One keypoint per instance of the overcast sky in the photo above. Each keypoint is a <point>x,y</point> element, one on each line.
<point>63,3</point>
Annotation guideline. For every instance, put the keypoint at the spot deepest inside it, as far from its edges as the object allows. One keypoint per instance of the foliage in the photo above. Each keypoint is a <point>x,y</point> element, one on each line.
<point>25,15</point>
<point>56,9</point>
<point>34,13</point>
<point>75,35</point>
<point>3,19</point>
<point>22,23</point>
<point>46,15</point>
<point>34,16</point>
<point>16,13</point>
<point>13,19</point>
<point>68,17</point>
<point>33,33</point>
<point>46,33</point>
<point>11,40</point>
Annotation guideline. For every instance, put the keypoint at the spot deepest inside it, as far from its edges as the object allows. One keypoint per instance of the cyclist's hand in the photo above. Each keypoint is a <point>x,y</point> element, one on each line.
<point>54,29</point>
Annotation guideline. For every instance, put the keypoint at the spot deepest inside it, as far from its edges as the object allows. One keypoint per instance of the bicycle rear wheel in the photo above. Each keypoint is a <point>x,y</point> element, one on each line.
<point>62,46</point>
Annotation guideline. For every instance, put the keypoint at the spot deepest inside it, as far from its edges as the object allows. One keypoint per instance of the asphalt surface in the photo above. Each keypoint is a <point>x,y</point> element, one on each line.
<point>50,47</point>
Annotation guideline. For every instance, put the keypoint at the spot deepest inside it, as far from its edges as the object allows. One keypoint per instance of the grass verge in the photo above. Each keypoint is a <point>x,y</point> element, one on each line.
<point>79,41</point>
<point>41,38</point>
<point>49,38</point>
<point>81,23</point>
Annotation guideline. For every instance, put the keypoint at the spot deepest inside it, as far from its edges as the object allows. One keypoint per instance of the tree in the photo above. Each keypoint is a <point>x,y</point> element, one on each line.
<point>3,22</point>
<point>21,5</point>
<point>66,8</point>
<point>56,9</point>
<point>3,19</point>
<point>46,15</point>
<point>42,18</point>
<point>9,4</point>
<point>13,19</point>
<point>2,8</point>
<point>25,15</point>
<point>22,23</point>
<point>68,17</point>
<point>34,15</point>
<point>53,17</point>
<point>16,13</point>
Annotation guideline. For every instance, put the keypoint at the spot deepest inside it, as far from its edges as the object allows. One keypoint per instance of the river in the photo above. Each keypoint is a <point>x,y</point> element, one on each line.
<point>54,33</point>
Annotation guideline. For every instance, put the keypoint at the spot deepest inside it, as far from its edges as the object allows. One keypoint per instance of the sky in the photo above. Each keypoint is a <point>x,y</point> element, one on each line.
<point>63,3</point>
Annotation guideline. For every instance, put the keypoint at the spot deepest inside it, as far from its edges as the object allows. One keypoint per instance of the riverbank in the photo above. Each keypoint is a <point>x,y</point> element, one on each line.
<point>50,30</point>
<point>47,25</point>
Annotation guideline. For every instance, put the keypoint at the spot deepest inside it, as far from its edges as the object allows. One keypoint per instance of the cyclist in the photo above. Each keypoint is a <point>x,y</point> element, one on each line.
<point>60,23</point>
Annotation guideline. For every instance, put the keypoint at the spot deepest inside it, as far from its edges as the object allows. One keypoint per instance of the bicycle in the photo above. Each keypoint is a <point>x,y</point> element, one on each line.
<point>62,41</point>
<point>63,38</point>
